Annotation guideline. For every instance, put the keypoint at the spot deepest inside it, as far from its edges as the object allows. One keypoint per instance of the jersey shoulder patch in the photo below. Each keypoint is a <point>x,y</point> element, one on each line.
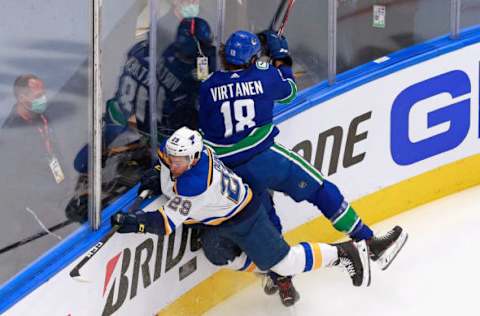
<point>262,65</point>
<point>196,180</point>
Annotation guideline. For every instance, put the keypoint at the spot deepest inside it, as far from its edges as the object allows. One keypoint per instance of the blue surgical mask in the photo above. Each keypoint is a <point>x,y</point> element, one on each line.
<point>39,105</point>
<point>190,10</point>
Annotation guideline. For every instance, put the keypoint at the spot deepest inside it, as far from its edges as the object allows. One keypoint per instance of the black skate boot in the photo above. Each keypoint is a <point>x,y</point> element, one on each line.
<point>288,293</point>
<point>354,258</point>
<point>286,290</point>
<point>270,287</point>
<point>383,249</point>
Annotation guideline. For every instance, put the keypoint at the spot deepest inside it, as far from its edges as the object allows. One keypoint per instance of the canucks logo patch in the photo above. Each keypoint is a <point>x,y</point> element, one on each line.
<point>262,65</point>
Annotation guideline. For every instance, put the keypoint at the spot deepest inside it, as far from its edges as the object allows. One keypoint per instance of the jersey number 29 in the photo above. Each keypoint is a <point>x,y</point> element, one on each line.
<point>243,115</point>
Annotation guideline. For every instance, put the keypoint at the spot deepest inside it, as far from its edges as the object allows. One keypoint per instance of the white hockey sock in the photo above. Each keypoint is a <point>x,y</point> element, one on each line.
<point>306,257</point>
<point>242,263</point>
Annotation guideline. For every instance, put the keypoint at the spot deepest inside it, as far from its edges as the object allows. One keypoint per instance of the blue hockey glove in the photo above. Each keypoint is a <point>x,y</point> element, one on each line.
<point>151,181</point>
<point>129,223</point>
<point>277,46</point>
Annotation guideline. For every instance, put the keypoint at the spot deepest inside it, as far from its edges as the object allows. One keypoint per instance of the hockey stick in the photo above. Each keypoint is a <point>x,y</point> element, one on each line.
<point>281,30</point>
<point>36,236</point>
<point>75,272</point>
<point>279,11</point>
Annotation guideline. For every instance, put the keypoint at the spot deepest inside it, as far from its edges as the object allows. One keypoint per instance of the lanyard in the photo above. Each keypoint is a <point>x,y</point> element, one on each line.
<point>44,132</point>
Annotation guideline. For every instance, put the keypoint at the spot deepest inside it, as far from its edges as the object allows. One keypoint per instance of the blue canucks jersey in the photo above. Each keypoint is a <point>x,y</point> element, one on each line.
<point>236,109</point>
<point>175,75</point>
<point>132,92</point>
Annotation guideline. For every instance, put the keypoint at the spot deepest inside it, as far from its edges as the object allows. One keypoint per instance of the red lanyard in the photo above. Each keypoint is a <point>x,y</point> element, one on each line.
<point>44,132</point>
<point>45,135</point>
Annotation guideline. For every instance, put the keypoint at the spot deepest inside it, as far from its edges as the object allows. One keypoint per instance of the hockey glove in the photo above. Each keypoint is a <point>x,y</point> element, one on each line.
<point>277,46</point>
<point>151,181</point>
<point>129,223</point>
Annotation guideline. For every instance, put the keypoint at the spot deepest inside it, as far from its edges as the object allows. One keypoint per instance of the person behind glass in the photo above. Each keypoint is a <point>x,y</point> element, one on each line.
<point>30,110</point>
<point>180,69</point>
<point>184,64</point>
<point>167,24</point>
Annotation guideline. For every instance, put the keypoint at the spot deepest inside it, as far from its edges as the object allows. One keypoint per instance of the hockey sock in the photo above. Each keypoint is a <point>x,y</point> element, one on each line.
<point>305,257</point>
<point>242,263</point>
<point>347,221</point>
<point>331,202</point>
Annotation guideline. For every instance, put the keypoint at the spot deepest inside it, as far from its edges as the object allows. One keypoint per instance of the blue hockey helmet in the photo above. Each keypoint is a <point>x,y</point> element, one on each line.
<point>240,47</point>
<point>189,32</point>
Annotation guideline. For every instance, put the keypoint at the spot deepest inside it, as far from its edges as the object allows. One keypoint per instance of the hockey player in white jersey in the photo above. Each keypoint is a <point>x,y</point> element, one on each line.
<point>200,189</point>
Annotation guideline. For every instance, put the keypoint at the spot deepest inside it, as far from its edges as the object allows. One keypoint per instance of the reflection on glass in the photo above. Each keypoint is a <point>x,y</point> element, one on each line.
<point>44,93</point>
<point>185,60</point>
<point>363,37</point>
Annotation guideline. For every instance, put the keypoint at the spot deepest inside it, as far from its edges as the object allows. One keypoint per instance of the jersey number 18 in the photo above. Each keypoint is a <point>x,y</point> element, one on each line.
<point>243,115</point>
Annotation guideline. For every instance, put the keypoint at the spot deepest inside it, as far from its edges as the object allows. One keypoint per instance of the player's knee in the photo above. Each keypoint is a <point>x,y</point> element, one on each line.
<point>219,251</point>
<point>327,198</point>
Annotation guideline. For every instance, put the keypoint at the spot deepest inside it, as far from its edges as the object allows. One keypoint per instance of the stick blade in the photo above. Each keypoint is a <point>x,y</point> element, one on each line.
<point>75,274</point>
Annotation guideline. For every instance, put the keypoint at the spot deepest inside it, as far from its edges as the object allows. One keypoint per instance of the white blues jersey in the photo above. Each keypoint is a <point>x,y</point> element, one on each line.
<point>208,193</point>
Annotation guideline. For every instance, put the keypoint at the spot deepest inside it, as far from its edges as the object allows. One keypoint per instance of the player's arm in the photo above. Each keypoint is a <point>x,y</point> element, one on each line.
<point>151,181</point>
<point>283,80</point>
<point>163,221</point>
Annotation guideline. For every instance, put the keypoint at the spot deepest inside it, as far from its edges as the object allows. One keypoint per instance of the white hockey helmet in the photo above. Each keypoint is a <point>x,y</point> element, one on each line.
<point>185,142</point>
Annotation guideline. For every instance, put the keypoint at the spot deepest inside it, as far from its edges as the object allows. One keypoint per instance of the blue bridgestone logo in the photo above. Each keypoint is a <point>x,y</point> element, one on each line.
<point>448,123</point>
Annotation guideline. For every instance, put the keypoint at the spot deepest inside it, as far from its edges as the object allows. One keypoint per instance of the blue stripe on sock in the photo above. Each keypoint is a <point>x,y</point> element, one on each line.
<point>308,256</point>
<point>247,263</point>
<point>357,229</point>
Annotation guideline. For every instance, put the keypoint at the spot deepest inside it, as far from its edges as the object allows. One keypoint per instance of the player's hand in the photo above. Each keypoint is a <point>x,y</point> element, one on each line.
<point>277,46</point>
<point>151,181</point>
<point>129,223</point>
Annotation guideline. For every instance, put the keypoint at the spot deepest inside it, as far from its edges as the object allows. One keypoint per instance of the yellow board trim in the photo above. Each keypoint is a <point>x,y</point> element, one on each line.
<point>373,208</point>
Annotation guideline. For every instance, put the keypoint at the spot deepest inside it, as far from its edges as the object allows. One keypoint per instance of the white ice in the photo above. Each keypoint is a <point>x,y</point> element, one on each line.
<point>436,273</point>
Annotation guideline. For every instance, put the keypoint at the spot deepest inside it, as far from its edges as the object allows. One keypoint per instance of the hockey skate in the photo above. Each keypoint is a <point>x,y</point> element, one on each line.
<point>354,258</point>
<point>275,283</point>
<point>384,248</point>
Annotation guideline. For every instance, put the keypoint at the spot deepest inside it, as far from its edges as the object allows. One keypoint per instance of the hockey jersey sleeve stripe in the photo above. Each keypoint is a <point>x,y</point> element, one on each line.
<point>210,167</point>
<point>169,225</point>
<point>218,220</point>
<point>292,95</point>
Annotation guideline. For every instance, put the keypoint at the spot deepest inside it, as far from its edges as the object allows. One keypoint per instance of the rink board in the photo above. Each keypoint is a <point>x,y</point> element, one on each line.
<point>404,133</point>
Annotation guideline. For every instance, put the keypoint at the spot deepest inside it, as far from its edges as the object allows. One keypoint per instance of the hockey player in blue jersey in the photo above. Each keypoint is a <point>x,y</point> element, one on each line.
<point>201,189</point>
<point>236,113</point>
<point>177,74</point>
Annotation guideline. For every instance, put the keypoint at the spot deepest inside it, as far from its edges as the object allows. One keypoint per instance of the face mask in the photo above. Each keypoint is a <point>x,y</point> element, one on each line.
<point>190,10</point>
<point>39,105</point>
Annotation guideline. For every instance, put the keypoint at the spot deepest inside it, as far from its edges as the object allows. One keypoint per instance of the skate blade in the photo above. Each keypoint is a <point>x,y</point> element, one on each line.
<point>365,258</point>
<point>387,258</point>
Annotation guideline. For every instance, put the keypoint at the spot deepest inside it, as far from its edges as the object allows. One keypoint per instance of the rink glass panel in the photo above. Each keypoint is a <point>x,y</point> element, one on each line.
<point>306,32</point>
<point>167,19</point>
<point>125,151</point>
<point>469,13</point>
<point>54,45</point>
<point>406,23</point>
